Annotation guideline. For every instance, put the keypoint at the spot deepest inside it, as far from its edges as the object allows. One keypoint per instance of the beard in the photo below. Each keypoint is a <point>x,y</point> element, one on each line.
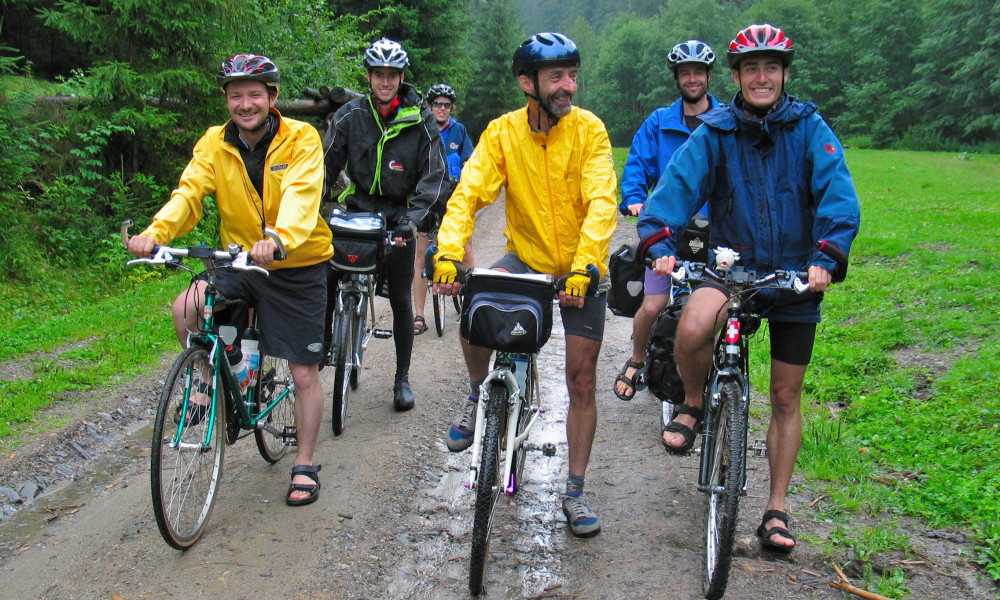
<point>558,111</point>
<point>692,99</point>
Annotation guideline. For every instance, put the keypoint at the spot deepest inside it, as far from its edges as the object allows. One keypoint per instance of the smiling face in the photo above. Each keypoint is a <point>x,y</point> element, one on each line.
<point>556,87</point>
<point>692,81</point>
<point>761,80</point>
<point>441,107</point>
<point>385,83</point>
<point>249,104</point>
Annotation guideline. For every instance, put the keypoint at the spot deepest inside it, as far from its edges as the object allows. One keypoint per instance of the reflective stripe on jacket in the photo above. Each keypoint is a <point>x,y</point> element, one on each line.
<point>560,192</point>
<point>293,186</point>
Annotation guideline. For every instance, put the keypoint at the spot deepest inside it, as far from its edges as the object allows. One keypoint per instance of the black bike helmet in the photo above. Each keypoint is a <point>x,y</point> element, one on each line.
<point>249,67</point>
<point>760,39</point>
<point>691,52</point>
<point>441,89</point>
<point>386,53</point>
<point>544,50</point>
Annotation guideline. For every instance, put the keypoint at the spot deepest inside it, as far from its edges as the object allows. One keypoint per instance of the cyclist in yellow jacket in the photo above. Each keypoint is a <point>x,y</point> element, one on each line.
<point>265,171</point>
<point>554,160</point>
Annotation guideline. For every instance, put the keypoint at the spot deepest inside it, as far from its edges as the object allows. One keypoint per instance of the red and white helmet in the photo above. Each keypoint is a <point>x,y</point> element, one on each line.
<point>252,67</point>
<point>759,39</point>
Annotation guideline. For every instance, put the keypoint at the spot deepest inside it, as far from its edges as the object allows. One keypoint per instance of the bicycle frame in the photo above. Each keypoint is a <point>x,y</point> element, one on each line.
<point>503,374</point>
<point>362,286</point>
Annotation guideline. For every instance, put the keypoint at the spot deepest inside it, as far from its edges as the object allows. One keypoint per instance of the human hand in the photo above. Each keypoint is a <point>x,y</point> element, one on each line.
<point>263,251</point>
<point>635,209</point>
<point>819,278</point>
<point>445,277</point>
<point>664,265</point>
<point>141,245</point>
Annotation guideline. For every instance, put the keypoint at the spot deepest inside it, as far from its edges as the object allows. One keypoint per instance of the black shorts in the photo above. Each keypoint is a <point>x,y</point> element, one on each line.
<point>791,342</point>
<point>587,322</point>
<point>290,306</point>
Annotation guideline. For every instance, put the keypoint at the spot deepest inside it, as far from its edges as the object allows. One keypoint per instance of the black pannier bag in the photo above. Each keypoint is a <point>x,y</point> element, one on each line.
<point>661,371</point>
<point>693,244</point>
<point>358,241</point>
<point>507,312</point>
<point>627,281</point>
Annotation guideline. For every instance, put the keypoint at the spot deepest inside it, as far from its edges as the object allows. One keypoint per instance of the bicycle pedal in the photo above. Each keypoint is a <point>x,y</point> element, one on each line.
<point>289,435</point>
<point>382,334</point>
<point>759,448</point>
<point>549,449</point>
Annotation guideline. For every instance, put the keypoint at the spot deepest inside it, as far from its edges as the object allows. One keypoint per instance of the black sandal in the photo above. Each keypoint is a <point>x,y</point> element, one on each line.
<point>419,325</point>
<point>636,381</point>
<point>310,471</point>
<point>689,433</point>
<point>765,534</point>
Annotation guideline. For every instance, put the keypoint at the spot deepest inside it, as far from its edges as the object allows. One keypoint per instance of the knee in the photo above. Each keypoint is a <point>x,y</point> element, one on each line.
<point>690,337</point>
<point>785,399</point>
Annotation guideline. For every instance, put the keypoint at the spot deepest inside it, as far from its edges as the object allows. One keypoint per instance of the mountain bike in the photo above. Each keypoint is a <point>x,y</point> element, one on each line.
<point>361,243</point>
<point>207,402</point>
<point>511,314</point>
<point>439,301</point>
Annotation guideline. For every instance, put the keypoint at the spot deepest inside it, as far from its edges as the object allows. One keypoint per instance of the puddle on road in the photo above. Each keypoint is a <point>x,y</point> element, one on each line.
<point>112,468</point>
<point>528,529</point>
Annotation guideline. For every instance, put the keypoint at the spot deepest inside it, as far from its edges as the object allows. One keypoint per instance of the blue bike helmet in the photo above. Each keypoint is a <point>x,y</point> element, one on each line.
<point>544,50</point>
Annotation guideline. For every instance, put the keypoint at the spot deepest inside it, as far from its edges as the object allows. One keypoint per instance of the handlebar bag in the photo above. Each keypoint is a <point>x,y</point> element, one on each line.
<point>628,278</point>
<point>507,312</point>
<point>358,241</point>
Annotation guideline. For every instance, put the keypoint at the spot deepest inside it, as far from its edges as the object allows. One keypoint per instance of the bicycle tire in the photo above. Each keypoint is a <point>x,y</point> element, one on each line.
<point>184,479</point>
<point>488,488</point>
<point>274,378</point>
<point>727,474</point>
<point>440,305</point>
<point>343,344</point>
<point>457,301</point>
<point>522,420</point>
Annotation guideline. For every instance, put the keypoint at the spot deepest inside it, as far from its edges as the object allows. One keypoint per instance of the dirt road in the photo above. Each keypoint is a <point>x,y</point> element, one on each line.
<point>394,520</point>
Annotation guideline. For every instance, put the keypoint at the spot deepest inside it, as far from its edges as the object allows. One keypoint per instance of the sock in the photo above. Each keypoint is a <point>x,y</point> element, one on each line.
<point>574,486</point>
<point>474,390</point>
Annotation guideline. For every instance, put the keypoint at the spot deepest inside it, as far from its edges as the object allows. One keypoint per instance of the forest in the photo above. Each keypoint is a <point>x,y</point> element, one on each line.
<point>886,74</point>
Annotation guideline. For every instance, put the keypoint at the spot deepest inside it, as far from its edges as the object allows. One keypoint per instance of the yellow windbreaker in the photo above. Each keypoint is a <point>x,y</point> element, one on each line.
<point>293,186</point>
<point>561,192</point>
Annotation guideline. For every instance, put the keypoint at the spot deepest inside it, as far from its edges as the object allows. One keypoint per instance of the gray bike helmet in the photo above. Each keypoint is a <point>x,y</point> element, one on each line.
<point>249,67</point>
<point>691,52</point>
<point>441,89</point>
<point>386,53</point>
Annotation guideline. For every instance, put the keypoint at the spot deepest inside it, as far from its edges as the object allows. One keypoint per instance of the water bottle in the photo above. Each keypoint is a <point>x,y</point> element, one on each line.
<point>239,366</point>
<point>521,374</point>
<point>251,353</point>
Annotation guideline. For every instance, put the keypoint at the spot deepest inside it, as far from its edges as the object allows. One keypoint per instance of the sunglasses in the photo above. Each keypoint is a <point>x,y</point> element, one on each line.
<point>441,104</point>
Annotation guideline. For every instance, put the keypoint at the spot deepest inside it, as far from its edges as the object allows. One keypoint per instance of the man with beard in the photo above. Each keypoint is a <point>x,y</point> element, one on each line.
<point>395,161</point>
<point>554,160</point>
<point>265,171</point>
<point>660,135</point>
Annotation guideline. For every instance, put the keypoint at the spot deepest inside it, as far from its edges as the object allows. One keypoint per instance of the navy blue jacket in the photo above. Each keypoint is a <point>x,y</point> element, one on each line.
<point>776,187</point>
<point>457,146</point>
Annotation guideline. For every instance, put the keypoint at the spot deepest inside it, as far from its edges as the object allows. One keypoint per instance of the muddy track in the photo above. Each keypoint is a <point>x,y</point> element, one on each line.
<point>394,520</point>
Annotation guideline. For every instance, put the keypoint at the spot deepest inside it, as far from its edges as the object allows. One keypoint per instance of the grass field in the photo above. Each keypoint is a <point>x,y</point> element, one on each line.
<point>903,397</point>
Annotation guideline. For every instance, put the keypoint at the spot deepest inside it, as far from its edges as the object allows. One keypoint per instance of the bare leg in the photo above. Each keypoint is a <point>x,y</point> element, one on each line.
<point>652,305</point>
<point>308,414</point>
<point>581,419</point>
<point>784,436</point>
<point>419,283</point>
<point>187,310</point>
<point>703,315</point>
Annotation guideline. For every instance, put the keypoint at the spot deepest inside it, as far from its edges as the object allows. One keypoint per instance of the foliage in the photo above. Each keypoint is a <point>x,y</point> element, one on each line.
<point>494,36</point>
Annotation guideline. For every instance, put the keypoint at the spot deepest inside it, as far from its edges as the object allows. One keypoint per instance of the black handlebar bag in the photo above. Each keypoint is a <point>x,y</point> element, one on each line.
<point>507,312</point>
<point>358,241</point>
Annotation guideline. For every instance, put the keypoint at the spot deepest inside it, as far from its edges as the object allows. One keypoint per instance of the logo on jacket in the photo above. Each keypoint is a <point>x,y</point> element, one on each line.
<point>518,330</point>
<point>453,145</point>
<point>395,165</point>
<point>281,167</point>
<point>830,149</point>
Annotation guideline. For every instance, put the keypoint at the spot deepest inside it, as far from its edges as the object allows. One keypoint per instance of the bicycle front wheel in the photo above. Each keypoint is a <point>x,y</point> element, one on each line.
<point>440,303</point>
<point>726,476</point>
<point>488,488</point>
<point>274,383</point>
<point>343,345</point>
<point>187,449</point>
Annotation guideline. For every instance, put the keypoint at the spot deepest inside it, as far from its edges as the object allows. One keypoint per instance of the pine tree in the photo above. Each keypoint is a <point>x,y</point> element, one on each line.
<point>493,89</point>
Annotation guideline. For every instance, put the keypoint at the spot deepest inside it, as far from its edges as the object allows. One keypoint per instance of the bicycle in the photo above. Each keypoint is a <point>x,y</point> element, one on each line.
<point>360,241</point>
<point>439,301</point>
<point>512,315</point>
<point>189,438</point>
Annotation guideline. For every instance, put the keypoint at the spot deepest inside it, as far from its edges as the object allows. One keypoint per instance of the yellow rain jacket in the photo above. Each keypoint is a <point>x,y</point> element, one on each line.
<point>561,192</point>
<point>293,185</point>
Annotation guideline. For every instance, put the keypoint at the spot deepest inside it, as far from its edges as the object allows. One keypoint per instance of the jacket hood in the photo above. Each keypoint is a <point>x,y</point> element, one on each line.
<point>730,116</point>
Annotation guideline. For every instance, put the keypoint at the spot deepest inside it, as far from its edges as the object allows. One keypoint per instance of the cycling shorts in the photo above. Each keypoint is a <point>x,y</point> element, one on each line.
<point>587,322</point>
<point>290,306</point>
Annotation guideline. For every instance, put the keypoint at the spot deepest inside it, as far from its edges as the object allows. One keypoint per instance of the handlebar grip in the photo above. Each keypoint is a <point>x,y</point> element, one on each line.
<point>429,261</point>
<point>595,279</point>
<point>280,253</point>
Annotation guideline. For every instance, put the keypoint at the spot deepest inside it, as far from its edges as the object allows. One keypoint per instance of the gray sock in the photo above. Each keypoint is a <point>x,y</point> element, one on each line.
<point>574,486</point>
<point>474,390</point>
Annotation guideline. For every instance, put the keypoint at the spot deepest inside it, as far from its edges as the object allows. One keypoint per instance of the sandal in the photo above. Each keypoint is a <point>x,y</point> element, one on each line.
<point>636,381</point>
<point>689,433</point>
<point>310,471</point>
<point>419,325</point>
<point>765,534</point>
<point>196,411</point>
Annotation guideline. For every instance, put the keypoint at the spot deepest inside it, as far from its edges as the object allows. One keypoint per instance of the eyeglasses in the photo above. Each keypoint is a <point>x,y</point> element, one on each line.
<point>441,104</point>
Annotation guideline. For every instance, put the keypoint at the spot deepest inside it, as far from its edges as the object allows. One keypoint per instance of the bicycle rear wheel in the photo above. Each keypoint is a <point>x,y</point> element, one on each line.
<point>360,325</point>
<point>488,488</point>
<point>343,346</point>
<point>187,450</point>
<point>726,477</point>
<point>440,303</point>
<point>274,380</point>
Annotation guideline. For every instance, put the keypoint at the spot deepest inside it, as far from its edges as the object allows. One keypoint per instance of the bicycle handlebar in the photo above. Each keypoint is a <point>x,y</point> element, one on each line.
<point>560,285</point>
<point>235,258</point>
<point>737,277</point>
